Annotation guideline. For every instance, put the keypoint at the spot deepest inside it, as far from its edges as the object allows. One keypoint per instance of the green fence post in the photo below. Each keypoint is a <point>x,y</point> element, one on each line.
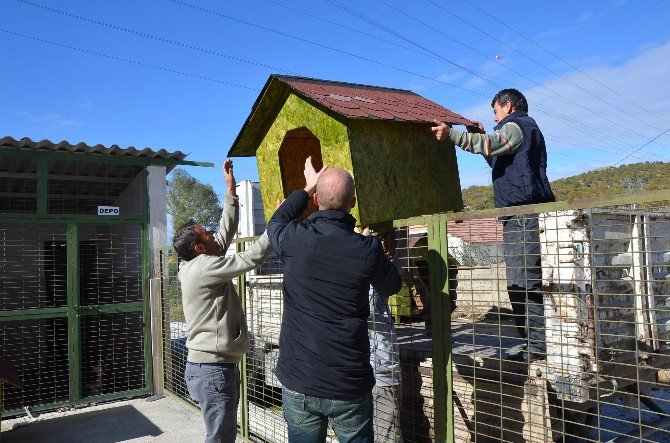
<point>244,394</point>
<point>438,260</point>
<point>73,318</point>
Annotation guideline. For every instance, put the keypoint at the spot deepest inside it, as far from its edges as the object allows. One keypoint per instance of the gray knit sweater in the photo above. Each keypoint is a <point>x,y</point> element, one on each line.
<point>216,325</point>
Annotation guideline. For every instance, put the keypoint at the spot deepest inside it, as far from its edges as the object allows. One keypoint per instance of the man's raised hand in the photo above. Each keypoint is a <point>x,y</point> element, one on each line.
<point>441,130</point>
<point>229,176</point>
<point>311,176</point>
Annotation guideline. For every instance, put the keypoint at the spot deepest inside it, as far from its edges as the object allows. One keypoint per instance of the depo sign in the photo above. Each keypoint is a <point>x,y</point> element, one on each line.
<point>108,210</point>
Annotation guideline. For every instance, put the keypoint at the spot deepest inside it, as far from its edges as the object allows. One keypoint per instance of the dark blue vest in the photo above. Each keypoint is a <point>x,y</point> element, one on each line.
<point>521,178</point>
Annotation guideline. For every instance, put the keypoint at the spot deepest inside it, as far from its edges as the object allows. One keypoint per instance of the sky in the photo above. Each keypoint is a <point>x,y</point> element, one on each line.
<point>183,75</point>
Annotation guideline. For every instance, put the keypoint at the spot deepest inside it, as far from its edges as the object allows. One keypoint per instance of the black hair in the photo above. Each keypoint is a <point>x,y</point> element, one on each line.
<point>517,99</point>
<point>185,239</point>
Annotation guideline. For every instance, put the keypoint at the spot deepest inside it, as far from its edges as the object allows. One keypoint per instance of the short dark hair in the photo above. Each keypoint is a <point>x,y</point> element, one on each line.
<point>517,99</point>
<point>185,239</point>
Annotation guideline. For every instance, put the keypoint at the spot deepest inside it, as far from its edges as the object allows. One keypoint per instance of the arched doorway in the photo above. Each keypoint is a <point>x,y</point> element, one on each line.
<point>298,144</point>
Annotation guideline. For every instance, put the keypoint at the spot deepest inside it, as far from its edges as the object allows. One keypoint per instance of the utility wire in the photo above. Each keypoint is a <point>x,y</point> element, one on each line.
<point>520,74</point>
<point>568,120</point>
<point>496,19</point>
<point>348,28</point>
<point>238,59</point>
<point>321,45</point>
<point>235,58</point>
<point>125,60</point>
<point>488,34</point>
<point>156,38</point>
<point>644,145</point>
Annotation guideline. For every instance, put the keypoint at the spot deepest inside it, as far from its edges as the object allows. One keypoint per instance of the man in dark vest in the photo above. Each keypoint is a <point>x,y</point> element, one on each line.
<point>324,353</point>
<point>518,157</point>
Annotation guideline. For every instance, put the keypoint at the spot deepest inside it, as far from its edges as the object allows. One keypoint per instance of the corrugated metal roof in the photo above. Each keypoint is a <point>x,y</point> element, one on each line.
<point>481,230</point>
<point>114,150</point>
<point>347,100</point>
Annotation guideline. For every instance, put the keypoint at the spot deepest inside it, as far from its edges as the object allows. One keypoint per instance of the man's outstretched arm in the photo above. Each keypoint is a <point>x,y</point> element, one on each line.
<point>507,140</point>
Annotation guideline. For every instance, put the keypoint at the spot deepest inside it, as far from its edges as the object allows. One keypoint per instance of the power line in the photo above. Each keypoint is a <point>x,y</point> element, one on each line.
<point>537,63</point>
<point>646,144</point>
<point>217,53</point>
<point>235,58</point>
<point>157,38</point>
<point>566,119</point>
<point>321,45</point>
<point>348,28</point>
<point>125,60</point>
<point>557,94</point>
<point>562,60</point>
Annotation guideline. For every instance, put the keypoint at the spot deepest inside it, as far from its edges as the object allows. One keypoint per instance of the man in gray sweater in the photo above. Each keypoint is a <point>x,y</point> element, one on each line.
<point>215,322</point>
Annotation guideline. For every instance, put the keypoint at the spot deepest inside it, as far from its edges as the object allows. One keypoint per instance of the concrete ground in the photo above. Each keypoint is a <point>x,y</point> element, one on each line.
<point>137,420</point>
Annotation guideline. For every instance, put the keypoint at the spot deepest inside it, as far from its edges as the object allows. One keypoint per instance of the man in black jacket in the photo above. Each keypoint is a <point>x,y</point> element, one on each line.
<point>324,357</point>
<point>517,155</point>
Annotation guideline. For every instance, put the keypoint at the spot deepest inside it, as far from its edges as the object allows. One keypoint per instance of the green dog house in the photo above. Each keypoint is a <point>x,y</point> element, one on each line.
<point>380,135</point>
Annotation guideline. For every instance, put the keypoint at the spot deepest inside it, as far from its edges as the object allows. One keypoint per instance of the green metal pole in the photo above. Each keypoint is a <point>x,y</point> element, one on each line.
<point>73,326</point>
<point>244,393</point>
<point>446,305</point>
<point>147,257</point>
<point>441,325</point>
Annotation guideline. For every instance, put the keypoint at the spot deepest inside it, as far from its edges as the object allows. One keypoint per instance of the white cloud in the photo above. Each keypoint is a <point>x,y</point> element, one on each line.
<point>49,118</point>
<point>602,134</point>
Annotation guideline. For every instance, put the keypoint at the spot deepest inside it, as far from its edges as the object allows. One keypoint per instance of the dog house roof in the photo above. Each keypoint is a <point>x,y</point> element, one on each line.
<point>348,100</point>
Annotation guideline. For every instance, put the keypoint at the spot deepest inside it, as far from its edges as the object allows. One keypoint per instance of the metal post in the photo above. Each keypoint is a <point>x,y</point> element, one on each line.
<point>244,394</point>
<point>441,317</point>
<point>73,317</point>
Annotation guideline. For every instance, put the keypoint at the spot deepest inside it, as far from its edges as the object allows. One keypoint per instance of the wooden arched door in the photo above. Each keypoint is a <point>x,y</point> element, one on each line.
<point>298,144</point>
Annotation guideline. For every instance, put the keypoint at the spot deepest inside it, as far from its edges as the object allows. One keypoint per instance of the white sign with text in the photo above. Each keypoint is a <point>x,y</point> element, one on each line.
<point>108,210</point>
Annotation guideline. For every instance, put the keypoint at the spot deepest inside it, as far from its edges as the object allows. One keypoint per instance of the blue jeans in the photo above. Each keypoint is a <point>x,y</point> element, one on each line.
<point>217,390</point>
<point>308,418</point>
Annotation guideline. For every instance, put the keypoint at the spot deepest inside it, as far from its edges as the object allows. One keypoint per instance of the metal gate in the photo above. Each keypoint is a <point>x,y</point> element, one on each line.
<point>73,286</point>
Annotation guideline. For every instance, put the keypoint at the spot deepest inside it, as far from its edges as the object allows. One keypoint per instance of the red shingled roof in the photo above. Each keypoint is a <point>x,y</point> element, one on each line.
<point>348,101</point>
<point>481,230</point>
<point>363,101</point>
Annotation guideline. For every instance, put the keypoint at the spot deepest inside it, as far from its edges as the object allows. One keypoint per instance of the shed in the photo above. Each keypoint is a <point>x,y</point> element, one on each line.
<point>78,227</point>
<point>380,135</point>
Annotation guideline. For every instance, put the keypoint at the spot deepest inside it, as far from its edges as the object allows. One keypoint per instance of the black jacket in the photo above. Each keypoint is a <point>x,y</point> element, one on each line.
<point>328,270</point>
<point>521,178</point>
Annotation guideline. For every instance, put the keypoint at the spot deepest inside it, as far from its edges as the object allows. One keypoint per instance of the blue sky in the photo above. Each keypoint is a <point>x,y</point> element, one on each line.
<point>183,75</point>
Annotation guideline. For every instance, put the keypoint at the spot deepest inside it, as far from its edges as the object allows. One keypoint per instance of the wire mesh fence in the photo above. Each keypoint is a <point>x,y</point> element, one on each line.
<point>564,338</point>
<point>510,326</point>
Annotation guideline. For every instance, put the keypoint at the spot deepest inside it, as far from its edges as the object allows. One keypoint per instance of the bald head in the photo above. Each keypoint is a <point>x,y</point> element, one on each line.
<point>335,190</point>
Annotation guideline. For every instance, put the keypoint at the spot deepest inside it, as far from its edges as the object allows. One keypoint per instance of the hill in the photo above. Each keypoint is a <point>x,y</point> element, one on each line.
<point>600,182</point>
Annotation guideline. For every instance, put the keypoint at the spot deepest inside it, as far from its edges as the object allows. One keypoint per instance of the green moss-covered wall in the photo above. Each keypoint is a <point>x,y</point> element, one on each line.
<point>296,113</point>
<point>402,171</point>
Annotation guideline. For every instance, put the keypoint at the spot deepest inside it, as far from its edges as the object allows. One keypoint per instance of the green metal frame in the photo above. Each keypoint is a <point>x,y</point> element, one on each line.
<point>244,394</point>
<point>438,262</point>
<point>74,311</point>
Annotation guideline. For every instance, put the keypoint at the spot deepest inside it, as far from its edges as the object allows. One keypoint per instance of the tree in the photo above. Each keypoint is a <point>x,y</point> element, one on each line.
<point>189,198</point>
